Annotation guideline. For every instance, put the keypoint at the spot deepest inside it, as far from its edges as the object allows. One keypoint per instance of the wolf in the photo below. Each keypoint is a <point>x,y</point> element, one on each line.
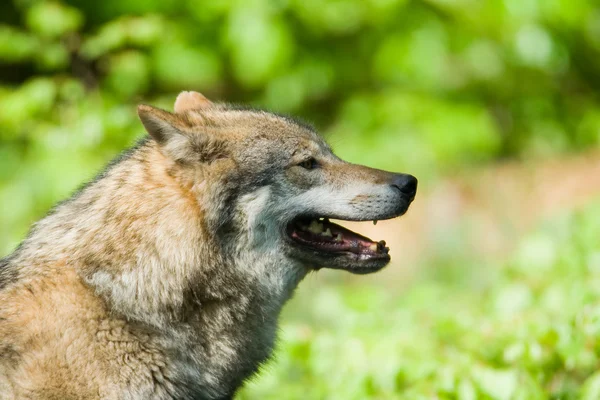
<point>165,276</point>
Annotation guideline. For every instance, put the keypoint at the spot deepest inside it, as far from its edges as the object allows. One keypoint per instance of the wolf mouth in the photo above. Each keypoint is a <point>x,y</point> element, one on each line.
<point>329,239</point>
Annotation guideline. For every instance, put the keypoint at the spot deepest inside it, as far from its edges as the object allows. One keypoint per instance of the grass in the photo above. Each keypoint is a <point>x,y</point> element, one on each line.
<point>526,329</point>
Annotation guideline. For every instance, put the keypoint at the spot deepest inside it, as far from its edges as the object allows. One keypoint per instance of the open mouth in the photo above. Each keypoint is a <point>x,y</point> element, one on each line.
<point>359,254</point>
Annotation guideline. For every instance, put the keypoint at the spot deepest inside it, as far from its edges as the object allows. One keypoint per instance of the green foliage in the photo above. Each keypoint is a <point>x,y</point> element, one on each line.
<point>52,20</point>
<point>498,78</point>
<point>527,330</point>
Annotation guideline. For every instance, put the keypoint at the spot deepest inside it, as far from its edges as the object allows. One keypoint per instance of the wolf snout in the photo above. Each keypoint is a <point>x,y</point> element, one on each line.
<point>406,184</point>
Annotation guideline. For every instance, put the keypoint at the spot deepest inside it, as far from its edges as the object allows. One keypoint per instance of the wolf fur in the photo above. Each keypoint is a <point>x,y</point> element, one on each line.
<point>165,276</point>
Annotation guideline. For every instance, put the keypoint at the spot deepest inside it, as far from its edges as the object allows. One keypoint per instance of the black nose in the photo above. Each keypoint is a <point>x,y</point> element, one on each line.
<point>407,184</point>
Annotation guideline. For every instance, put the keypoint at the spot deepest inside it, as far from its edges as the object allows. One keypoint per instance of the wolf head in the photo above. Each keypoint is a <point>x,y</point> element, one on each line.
<point>272,184</point>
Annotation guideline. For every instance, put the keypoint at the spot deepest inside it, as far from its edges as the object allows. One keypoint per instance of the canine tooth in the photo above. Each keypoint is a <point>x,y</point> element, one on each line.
<point>374,222</point>
<point>338,238</point>
<point>373,247</point>
<point>327,233</point>
<point>315,227</point>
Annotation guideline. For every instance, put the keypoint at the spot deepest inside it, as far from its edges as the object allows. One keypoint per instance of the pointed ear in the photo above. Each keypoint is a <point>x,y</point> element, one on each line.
<point>165,128</point>
<point>172,133</point>
<point>159,124</point>
<point>190,101</point>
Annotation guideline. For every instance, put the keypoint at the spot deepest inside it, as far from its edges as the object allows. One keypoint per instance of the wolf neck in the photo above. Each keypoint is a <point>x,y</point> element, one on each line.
<point>137,237</point>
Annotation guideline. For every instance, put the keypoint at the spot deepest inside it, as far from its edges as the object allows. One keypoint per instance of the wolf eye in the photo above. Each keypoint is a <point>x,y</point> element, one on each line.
<point>310,163</point>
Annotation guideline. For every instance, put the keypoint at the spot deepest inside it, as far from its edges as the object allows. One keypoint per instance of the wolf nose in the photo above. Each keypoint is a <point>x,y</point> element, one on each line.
<point>407,184</point>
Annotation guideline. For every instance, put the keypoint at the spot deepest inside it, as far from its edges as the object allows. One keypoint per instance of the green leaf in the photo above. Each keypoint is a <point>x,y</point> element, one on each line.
<point>177,67</point>
<point>498,384</point>
<point>591,388</point>
<point>53,19</point>
<point>260,46</point>
<point>129,73</point>
<point>16,45</point>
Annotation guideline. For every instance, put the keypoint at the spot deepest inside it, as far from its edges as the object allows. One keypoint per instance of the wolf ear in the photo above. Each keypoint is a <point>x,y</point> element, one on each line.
<point>177,142</point>
<point>190,101</point>
<point>160,124</point>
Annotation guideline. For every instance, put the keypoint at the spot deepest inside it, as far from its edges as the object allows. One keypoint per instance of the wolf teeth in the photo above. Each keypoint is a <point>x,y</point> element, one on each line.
<point>315,227</point>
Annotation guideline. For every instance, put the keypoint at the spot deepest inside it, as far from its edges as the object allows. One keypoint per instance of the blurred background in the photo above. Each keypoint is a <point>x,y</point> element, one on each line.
<point>493,104</point>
